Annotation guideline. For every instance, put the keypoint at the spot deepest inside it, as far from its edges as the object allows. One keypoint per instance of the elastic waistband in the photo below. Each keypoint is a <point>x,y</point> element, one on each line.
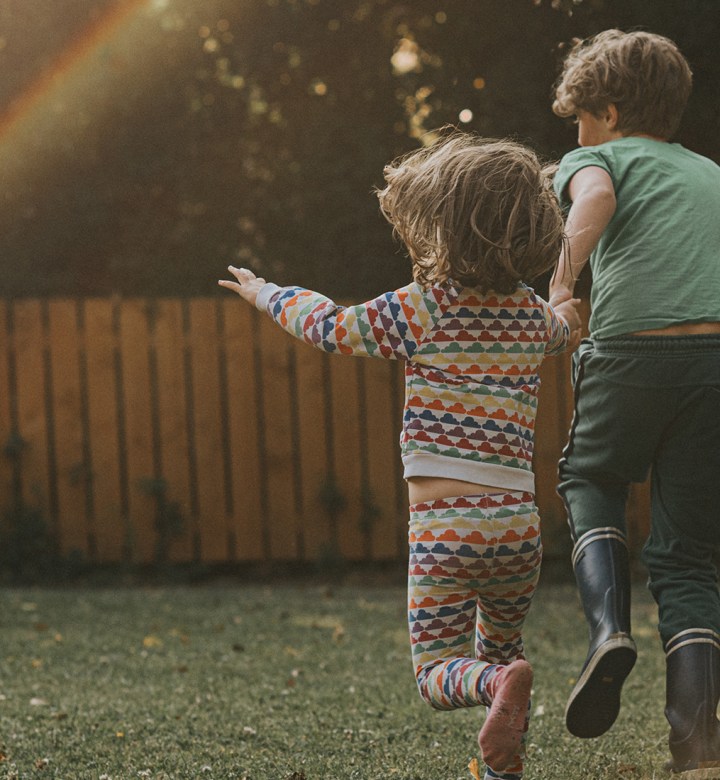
<point>658,345</point>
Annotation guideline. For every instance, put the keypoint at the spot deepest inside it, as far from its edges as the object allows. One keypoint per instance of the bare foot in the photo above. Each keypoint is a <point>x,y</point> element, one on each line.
<point>504,726</point>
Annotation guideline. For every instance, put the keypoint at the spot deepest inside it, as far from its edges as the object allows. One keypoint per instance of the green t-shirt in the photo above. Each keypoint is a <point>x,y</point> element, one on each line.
<point>658,261</point>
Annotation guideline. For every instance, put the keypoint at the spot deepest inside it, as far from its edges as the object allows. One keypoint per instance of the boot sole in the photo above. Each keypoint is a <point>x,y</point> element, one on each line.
<point>594,703</point>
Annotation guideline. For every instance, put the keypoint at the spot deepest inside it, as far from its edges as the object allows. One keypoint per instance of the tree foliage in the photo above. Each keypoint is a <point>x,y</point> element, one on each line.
<point>260,128</point>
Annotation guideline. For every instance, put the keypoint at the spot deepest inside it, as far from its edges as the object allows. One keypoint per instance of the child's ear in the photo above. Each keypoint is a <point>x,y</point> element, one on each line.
<point>611,116</point>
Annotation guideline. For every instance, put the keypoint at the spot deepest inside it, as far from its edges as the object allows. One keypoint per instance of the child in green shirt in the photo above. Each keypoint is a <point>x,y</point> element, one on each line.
<point>646,214</point>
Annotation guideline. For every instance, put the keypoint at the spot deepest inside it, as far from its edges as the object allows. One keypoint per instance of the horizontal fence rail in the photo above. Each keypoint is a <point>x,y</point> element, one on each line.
<point>189,430</point>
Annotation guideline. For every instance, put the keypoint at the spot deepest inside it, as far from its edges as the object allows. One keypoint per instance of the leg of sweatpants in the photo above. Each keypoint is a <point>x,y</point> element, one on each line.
<point>614,433</point>
<point>685,529</point>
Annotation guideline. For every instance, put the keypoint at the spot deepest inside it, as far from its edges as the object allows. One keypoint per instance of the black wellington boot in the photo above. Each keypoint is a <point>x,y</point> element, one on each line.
<point>602,571</point>
<point>693,691</point>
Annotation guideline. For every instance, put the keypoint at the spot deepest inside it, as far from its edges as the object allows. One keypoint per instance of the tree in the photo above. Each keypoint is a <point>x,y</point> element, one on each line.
<point>254,132</point>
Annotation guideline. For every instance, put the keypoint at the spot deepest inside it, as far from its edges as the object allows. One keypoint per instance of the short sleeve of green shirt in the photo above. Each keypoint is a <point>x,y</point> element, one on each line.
<point>571,163</point>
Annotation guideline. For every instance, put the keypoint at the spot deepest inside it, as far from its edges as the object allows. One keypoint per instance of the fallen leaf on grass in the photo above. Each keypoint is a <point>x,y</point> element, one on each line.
<point>36,701</point>
<point>474,769</point>
<point>152,641</point>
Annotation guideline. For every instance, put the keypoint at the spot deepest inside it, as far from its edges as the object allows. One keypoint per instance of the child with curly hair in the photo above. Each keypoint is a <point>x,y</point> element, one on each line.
<point>478,219</point>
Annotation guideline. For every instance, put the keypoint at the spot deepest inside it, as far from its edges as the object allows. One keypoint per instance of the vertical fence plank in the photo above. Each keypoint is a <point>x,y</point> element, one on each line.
<point>7,390</point>
<point>138,424</point>
<point>552,426</point>
<point>638,515</point>
<point>29,343</point>
<point>242,426</point>
<point>109,524</point>
<point>68,418</point>
<point>171,425</point>
<point>551,429</point>
<point>279,501</point>
<point>208,430</point>
<point>383,453</point>
<point>346,438</point>
<point>313,458</point>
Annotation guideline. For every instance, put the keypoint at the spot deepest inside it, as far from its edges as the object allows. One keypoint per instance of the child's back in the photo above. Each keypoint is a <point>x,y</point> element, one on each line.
<point>478,219</point>
<point>656,263</point>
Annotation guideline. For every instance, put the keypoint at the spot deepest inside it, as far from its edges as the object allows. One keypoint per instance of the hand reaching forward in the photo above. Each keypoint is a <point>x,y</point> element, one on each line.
<point>247,285</point>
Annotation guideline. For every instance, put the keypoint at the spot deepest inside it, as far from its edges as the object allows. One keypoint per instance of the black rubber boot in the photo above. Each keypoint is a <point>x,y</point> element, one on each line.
<point>602,571</point>
<point>693,691</point>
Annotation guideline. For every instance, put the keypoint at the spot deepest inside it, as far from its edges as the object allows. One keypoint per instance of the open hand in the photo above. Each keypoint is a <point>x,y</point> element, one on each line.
<point>247,285</point>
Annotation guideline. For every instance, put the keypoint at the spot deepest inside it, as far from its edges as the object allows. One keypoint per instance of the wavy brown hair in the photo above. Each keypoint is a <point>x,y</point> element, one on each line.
<point>479,212</point>
<point>644,75</point>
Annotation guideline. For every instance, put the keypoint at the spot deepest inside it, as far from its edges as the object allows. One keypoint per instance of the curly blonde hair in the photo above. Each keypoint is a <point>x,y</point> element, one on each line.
<point>644,75</point>
<point>478,212</point>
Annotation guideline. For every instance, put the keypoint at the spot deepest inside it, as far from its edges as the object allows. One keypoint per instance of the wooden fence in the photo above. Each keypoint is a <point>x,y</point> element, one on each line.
<point>195,430</point>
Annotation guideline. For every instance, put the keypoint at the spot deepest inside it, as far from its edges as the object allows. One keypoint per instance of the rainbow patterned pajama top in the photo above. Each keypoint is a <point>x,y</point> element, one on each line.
<point>471,378</point>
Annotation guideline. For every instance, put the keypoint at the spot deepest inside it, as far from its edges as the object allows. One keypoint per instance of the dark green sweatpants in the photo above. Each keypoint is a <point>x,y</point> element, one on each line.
<point>652,403</point>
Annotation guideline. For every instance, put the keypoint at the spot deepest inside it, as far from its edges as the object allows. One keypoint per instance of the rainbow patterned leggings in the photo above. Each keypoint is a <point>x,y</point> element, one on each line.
<point>474,567</point>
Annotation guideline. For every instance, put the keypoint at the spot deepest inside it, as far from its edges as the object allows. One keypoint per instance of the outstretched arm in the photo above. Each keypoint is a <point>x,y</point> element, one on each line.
<point>593,205</point>
<point>390,326</point>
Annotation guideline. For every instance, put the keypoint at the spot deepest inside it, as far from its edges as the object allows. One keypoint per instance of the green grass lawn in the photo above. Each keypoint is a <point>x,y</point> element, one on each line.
<point>287,682</point>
